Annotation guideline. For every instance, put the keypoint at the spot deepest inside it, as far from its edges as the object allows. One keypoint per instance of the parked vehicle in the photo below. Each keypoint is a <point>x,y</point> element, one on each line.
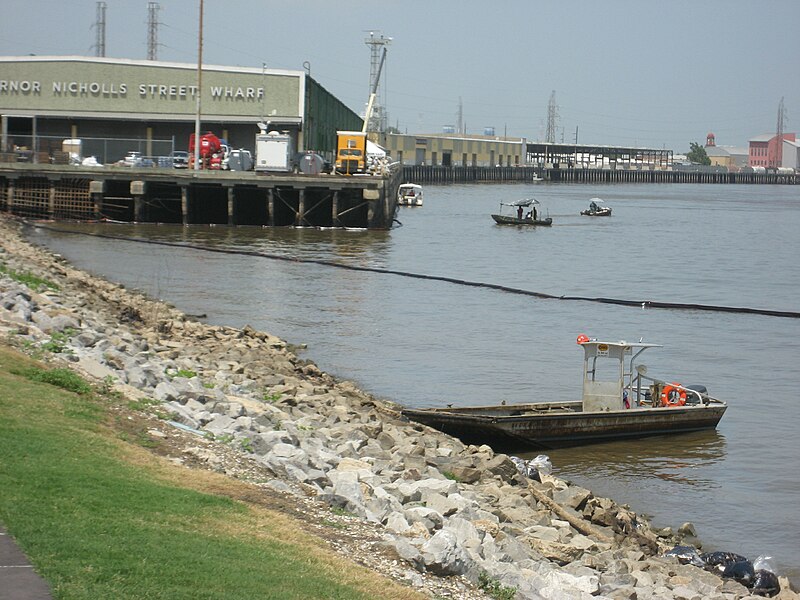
<point>135,159</point>
<point>238,160</point>
<point>212,151</point>
<point>275,151</point>
<point>179,159</point>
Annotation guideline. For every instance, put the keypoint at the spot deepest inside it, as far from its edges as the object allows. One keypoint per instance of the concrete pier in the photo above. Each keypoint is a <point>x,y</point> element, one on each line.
<point>198,197</point>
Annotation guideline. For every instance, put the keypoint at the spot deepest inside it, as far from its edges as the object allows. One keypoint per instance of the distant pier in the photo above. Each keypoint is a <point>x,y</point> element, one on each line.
<point>460,174</point>
<point>148,195</point>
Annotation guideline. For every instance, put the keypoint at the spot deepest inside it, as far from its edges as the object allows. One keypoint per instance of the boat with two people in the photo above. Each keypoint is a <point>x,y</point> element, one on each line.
<point>409,194</point>
<point>596,209</point>
<point>620,400</point>
<point>527,211</point>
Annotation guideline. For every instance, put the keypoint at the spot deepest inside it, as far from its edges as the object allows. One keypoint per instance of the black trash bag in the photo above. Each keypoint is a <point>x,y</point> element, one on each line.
<point>717,561</point>
<point>686,555</point>
<point>765,583</point>
<point>742,571</point>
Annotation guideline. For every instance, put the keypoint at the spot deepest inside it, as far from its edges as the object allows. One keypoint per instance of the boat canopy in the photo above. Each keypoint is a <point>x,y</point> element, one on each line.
<point>604,384</point>
<point>524,202</point>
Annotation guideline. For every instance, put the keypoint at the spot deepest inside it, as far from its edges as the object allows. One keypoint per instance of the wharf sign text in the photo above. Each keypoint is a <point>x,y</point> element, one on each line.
<point>155,91</point>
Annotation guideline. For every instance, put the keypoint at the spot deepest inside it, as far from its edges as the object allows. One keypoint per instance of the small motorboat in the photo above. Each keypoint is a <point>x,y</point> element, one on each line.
<point>522,212</point>
<point>409,194</point>
<point>619,401</point>
<point>596,209</point>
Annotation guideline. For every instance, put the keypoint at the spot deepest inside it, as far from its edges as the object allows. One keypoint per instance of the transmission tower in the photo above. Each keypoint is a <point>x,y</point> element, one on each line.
<point>779,134</point>
<point>100,30</point>
<point>152,30</point>
<point>377,47</point>
<point>552,119</point>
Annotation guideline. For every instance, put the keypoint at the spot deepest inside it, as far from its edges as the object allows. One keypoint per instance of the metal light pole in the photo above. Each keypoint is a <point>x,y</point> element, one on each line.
<point>199,91</point>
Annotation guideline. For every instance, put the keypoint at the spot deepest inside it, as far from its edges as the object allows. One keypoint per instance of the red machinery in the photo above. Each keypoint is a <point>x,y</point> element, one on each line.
<point>211,150</point>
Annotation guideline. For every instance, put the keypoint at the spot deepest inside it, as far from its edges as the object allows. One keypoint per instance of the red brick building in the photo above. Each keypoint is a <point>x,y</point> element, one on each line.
<point>767,151</point>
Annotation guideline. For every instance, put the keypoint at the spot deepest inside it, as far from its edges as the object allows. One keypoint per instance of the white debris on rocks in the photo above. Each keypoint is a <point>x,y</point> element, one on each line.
<point>442,508</point>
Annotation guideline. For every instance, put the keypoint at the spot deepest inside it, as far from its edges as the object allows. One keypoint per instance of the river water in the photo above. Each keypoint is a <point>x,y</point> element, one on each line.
<point>423,342</point>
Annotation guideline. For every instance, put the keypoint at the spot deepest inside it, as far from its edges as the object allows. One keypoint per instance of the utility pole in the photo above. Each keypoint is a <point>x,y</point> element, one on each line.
<point>199,90</point>
<point>152,30</point>
<point>100,30</point>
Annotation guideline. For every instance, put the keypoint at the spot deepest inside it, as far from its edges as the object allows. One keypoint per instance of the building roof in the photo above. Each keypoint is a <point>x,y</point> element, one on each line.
<point>147,63</point>
<point>716,151</point>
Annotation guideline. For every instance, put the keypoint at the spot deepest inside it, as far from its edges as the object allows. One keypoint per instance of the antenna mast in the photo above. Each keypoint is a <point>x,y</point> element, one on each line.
<point>152,30</point>
<point>100,30</point>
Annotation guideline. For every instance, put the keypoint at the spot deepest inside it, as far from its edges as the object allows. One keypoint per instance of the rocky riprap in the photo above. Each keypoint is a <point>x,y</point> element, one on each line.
<point>442,516</point>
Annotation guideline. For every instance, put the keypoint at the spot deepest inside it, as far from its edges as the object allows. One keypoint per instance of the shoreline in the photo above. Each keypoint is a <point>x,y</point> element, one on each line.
<point>444,512</point>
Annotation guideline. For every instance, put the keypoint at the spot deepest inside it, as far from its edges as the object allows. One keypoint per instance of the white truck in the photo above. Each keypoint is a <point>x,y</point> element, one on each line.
<point>275,152</point>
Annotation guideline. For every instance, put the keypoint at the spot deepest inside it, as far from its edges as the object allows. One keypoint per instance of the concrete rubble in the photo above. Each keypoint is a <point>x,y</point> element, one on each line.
<point>442,508</point>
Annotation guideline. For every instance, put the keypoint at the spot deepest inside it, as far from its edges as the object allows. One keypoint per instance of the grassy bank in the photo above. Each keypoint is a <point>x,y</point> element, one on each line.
<point>103,518</point>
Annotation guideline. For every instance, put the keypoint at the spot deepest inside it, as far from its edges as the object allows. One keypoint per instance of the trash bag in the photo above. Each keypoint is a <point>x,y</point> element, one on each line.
<point>765,583</point>
<point>717,561</point>
<point>686,555</point>
<point>532,468</point>
<point>542,464</point>
<point>741,571</point>
<point>763,563</point>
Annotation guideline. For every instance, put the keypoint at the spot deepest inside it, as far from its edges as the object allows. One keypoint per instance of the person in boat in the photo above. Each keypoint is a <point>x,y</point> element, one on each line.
<point>533,213</point>
<point>593,206</point>
<point>519,212</point>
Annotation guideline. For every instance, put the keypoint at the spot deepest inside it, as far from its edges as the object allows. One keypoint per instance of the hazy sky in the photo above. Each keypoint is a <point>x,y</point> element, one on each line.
<point>641,73</point>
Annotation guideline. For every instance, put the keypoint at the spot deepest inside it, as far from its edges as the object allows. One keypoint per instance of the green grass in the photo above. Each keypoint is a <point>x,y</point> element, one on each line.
<point>451,476</point>
<point>29,279</point>
<point>495,589</point>
<point>97,525</point>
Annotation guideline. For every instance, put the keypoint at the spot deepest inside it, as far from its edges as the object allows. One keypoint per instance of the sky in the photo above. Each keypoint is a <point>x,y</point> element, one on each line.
<point>644,73</point>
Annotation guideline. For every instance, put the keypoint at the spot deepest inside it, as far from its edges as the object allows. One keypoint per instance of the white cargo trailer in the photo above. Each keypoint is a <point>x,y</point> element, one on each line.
<point>275,152</point>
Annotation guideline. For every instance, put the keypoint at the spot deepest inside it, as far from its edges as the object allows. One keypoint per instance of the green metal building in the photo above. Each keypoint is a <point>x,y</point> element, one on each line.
<point>116,105</point>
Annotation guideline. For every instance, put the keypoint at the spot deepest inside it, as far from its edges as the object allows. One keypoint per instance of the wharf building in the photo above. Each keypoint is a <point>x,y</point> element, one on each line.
<point>116,105</point>
<point>110,107</point>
